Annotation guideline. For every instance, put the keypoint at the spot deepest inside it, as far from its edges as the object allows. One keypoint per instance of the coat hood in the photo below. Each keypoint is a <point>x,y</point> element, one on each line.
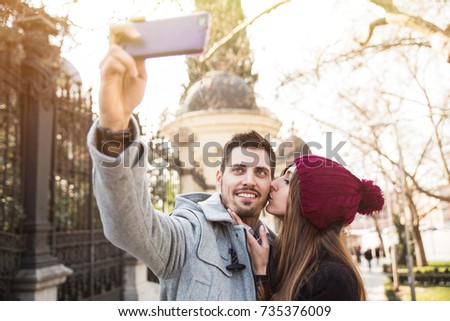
<point>210,205</point>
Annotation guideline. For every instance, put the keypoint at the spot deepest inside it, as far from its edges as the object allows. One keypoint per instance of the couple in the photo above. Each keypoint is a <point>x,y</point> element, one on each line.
<point>316,198</point>
<point>198,252</point>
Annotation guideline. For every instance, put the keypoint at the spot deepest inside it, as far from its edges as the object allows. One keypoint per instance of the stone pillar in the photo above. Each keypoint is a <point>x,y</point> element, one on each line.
<point>40,272</point>
<point>137,287</point>
<point>40,283</point>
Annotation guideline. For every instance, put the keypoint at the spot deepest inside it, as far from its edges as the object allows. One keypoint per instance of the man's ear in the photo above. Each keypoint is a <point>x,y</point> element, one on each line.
<point>219,177</point>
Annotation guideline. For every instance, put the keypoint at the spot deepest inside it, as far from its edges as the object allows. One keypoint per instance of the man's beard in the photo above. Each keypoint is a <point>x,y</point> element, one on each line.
<point>246,212</point>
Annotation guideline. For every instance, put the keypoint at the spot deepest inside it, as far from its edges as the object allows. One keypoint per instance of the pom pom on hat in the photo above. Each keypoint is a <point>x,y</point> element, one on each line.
<point>330,193</point>
<point>372,198</point>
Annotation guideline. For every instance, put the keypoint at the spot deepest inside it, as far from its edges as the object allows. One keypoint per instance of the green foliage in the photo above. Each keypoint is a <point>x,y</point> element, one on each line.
<point>70,206</point>
<point>425,293</point>
<point>11,215</point>
<point>433,267</point>
<point>25,32</point>
<point>389,290</point>
<point>439,264</point>
<point>11,211</point>
<point>163,176</point>
<point>435,274</point>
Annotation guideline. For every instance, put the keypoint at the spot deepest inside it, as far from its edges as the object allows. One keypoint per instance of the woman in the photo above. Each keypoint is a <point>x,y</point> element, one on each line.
<point>316,198</point>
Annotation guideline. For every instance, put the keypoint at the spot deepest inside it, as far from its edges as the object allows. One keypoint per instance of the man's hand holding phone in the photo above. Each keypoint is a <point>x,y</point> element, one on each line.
<point>123,80</point>
<point>123,74</point>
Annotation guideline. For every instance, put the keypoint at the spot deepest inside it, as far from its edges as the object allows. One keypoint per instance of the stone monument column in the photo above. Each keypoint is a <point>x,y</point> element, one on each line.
<point>40,272</point>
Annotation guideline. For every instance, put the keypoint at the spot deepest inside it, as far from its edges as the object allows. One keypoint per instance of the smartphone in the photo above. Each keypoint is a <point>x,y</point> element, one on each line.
<point>183,35</point>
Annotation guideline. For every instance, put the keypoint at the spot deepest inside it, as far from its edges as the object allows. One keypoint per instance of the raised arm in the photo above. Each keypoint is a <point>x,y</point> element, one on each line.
<point>120,182</point>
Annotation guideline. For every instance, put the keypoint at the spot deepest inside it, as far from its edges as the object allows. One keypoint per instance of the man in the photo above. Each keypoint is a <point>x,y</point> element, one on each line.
<point>198,253</point>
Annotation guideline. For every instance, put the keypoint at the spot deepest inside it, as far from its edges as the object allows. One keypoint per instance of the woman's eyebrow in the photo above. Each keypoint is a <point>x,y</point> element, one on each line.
<point>286,169</point>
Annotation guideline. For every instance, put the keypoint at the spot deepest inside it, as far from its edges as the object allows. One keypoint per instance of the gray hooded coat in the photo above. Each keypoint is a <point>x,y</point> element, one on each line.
<point>189,250</point>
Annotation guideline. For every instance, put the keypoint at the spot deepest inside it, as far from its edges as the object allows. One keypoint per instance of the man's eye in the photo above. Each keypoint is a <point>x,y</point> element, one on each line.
<point>237,169</point>
<point>261,172</point>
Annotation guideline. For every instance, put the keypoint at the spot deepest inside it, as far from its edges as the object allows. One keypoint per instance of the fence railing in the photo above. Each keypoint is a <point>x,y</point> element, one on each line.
<point>11,211</point>
<point>77,235</point>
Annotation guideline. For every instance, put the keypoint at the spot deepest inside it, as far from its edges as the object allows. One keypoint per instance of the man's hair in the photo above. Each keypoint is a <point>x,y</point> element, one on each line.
<point>249,139</point>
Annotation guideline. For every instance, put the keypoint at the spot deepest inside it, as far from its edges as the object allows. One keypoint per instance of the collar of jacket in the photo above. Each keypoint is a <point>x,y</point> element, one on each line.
<point>214,210</point>
<point>210,205</point>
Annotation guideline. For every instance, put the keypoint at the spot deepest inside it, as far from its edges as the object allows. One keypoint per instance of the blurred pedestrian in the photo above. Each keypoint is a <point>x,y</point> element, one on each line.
<point>377,255</point>
<point>368,255</point>
<point>358,253</point>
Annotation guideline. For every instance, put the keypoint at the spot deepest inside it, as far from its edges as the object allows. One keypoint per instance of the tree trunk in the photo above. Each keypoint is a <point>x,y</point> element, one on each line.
<point>419,251</point>
<point>421,259</point>
<point>377,227</point>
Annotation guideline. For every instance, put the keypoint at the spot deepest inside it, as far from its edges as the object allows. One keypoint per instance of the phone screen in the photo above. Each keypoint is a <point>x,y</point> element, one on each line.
<point>173,36</point>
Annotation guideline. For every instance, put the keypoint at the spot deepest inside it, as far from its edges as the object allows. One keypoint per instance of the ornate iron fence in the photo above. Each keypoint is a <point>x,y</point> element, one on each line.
<point>163,174</point>
<point>11,212</point>
<point>163,178</point>
<point>77,237</point>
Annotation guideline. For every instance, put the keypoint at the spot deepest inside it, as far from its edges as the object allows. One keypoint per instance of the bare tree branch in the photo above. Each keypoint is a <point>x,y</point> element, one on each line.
<point>360,109</point>
<point>373,25</point>
<point>422,156</point>
<point>216,46</point>
<point>375,148</point>
<point>439,39</point>
<point>436,136</point>
<point>427,212</point>
<point>353,54</point>
<point>387,93</point>
<point>388,5</point>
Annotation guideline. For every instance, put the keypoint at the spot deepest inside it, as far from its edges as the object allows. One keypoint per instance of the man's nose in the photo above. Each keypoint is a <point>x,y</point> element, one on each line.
<point>249,179</point>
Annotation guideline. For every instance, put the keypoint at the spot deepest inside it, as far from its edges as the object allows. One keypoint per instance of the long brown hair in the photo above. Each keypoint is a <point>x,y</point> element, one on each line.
<point>299,246</point>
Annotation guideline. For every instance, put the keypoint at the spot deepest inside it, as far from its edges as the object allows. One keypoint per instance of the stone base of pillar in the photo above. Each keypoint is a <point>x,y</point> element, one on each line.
<point>40,284</point>
<point>137,287</point>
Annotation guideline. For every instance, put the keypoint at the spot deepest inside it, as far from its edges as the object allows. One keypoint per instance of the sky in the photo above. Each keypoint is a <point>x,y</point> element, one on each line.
<point>277,40</point>
<point>283,41</point>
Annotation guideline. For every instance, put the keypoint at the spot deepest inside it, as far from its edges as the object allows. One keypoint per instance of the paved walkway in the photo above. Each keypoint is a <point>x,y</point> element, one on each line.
<point>373,280</point>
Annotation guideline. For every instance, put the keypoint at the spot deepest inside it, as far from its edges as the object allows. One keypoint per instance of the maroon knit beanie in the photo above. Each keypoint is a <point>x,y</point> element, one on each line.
<point>330,193</point>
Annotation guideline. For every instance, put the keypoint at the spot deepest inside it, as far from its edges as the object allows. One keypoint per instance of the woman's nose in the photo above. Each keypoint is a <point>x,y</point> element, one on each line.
<point>274,185</point>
